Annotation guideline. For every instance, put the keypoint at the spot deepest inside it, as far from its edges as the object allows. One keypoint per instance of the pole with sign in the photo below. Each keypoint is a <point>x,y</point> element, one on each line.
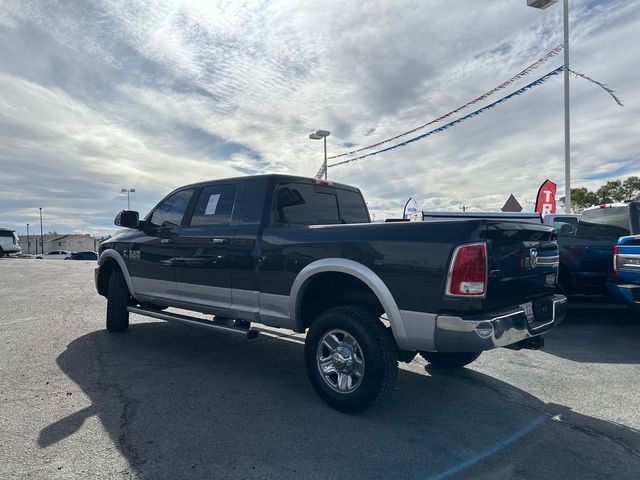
<point>410,208</point>
<point>546,198</point>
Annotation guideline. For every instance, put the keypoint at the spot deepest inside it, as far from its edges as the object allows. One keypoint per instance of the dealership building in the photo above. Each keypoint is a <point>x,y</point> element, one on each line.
<point>70,242</point>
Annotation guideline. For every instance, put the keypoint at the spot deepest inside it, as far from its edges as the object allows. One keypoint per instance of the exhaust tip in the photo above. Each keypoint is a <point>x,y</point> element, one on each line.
<point>484,329</point>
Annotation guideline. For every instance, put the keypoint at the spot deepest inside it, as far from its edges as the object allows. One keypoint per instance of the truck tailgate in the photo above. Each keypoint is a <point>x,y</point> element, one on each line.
<point>522,263</point>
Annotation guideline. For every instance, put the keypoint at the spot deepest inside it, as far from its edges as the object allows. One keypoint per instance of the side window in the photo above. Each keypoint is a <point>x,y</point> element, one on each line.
<point>171,210</point>
<point>302,204</point>
<point>214,206</point>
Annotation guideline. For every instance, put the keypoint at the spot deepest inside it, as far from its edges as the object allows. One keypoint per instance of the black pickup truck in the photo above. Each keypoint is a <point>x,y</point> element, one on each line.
<point>302,254</point>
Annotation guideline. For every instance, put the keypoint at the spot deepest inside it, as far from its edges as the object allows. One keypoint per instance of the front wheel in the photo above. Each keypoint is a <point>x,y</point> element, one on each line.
<point>450,360</point>
<point>117,302</point>
<point>351,358</point>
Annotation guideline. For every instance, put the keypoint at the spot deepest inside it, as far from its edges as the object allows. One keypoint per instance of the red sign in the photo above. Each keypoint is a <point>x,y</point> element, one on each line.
<point>546,199</point>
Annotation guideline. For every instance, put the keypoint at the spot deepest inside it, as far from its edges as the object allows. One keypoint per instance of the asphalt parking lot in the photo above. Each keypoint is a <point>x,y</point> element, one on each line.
<point>163,401</point>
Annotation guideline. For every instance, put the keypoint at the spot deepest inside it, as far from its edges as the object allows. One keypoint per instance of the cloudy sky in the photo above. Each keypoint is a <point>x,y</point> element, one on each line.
<point>97,96</point>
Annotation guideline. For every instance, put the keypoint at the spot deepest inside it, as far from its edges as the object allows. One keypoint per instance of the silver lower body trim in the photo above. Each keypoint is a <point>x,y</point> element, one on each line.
<point>419,328</point>
<point>265,308</point>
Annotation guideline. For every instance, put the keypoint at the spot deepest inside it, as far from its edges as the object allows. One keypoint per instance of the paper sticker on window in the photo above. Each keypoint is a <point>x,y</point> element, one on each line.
<point>212,205</point>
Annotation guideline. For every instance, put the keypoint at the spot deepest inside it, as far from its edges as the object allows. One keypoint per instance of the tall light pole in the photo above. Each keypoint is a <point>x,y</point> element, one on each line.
<point>322,134</point>
<point>28,241</point>
<point>542,4</point>
<point>128,191</point>
<point>41,235</point>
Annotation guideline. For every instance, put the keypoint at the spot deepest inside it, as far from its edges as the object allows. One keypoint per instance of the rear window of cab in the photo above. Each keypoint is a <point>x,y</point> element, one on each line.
<point>307,204</point>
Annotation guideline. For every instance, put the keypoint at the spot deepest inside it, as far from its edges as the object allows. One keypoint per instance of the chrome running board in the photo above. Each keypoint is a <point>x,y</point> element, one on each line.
<point>195,322</point>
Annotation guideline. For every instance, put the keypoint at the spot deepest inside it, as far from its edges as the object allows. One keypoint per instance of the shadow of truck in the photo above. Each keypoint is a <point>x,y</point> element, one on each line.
<point>182,403</point>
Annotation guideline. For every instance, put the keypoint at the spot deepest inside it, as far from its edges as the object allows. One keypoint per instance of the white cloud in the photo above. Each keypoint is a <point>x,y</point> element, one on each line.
<point>153,95</point>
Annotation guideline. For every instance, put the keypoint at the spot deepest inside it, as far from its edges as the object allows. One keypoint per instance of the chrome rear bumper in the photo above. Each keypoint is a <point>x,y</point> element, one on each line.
<point>456,334</point>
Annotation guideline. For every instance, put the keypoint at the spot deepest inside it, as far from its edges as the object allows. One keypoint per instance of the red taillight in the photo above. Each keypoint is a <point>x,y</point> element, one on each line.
<point>615,261</point>
<point>468,271</point>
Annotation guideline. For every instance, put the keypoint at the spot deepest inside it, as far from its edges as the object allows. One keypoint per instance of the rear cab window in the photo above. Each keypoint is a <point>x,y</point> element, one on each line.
<point>565,226</point>
<point>608,222</point>
<point>308,204</point>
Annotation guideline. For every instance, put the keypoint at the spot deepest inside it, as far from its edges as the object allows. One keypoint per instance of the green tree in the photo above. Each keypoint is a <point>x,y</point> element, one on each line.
<point>581,198</point>
<point>611,191</point>
<point>631,188</point>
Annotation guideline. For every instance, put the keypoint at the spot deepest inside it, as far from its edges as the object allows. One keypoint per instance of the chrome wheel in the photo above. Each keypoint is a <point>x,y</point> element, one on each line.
<point>340,361</point>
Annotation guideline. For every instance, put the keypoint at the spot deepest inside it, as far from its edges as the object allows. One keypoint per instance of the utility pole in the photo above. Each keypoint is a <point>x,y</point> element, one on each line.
<point>567,140</point>
<point>542,4</point>
<point>41,235</point>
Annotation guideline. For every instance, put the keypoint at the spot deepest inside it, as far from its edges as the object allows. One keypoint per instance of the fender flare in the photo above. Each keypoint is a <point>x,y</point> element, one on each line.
<point>111,253</point>
<point>355,269</point>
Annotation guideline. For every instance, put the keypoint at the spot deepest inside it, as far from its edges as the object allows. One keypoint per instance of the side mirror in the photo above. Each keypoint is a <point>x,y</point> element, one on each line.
<point>127,219</point>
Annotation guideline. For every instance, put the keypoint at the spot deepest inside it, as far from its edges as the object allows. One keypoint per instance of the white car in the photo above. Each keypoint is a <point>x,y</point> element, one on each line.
<point>55,255</point>
<point>8,242</point>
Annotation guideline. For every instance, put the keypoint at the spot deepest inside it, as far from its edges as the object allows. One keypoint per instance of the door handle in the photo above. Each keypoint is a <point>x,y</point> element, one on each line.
<point>167,240</point>
<point>220,240</point>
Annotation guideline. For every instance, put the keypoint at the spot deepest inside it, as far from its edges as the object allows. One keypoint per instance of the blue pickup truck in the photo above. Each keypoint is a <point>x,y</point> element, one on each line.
<point>625,284</point>
<point>586,255</point>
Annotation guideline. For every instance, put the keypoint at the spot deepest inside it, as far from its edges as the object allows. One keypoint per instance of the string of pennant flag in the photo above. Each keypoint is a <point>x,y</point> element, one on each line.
<point>475,113</point>
<point>518,76</point>
<point>442,128</point>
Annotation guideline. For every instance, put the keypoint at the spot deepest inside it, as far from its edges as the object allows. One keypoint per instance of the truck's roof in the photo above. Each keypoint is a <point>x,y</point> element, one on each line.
<point>472,214</point>
<point>607,205</point>
<point>278,177</point>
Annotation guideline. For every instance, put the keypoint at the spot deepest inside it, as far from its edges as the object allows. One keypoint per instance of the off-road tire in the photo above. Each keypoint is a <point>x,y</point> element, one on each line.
<point>379,351</point>
<point>117,302</point>
<point>450,360</point>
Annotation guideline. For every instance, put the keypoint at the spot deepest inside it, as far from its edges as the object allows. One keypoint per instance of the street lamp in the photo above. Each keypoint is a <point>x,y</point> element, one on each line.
<point>41,234</point>
<point>28,241</point>
<point>128,191</point>
<point>322,134</point>
<point>542,4</point>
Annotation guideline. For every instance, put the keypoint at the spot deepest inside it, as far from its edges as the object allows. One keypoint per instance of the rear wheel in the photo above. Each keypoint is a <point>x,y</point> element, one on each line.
<point>2,252</point>
<point>117,302</point>
<point>351,358</point>
<point>450,360</point>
